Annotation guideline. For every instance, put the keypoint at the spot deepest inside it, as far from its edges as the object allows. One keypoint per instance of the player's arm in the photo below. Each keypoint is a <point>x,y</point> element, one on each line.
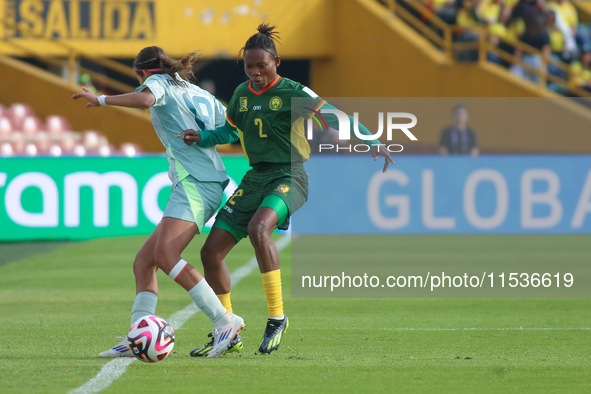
<point>206,138</point>
<point>225,131</point>
<point>333,121</point>
<point>142,99</point>
<point>377,148</point>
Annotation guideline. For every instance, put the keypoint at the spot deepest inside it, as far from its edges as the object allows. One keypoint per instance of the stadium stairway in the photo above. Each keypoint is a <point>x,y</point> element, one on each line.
<point>377,54</point>
<point>50,95</point>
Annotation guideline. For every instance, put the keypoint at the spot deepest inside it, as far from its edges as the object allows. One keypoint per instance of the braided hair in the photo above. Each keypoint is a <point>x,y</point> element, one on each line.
<point>154,60</point>
<point>264,39</point>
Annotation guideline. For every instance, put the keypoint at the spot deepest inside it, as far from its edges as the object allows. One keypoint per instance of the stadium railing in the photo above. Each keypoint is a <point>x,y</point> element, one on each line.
<point>441,35</point>
<point>71,60</point>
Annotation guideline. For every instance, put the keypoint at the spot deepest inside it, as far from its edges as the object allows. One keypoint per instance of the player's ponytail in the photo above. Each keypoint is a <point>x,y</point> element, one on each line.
<point>264,39</point>
<point>154,60</point>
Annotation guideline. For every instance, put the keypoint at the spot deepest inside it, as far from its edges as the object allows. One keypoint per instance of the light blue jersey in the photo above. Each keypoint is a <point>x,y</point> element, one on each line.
<point>178,108</point>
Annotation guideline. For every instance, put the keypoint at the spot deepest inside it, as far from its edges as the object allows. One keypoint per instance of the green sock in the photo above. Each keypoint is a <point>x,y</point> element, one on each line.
<point>144,305</point>
<point>204,297</point>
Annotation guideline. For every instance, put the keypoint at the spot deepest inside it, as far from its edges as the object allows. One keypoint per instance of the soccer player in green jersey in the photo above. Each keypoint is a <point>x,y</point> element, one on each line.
<point>198,180</point>
<point>259,114</point>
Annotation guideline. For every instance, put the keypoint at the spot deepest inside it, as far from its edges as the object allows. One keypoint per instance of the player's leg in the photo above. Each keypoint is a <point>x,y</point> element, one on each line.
<point>144,270</point>
<point>273,210</point>
<point>220,241</point>
<point>191,204</point>
<point>217,246</point>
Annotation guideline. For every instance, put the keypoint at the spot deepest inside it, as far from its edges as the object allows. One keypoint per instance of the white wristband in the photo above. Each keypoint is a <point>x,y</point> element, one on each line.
<point>101,100</point>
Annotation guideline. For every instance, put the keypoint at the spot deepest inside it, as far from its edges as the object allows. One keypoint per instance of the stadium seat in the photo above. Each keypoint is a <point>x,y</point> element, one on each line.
<point>93,140</point>
<point>55,150</point>
<point>19,112</point>
<point>56,124</point>
<point>30,149</point>
<point>31,125</point>
<point>18,142</point>
<point>5,127</point>
<point>6,149</point>
<point>106,150</point>
<point>68,144</point>
<point>42,143</point>
<point>79,150</point>
<point>21,132</point>
<point>4,113</point>
<point>130,149</point>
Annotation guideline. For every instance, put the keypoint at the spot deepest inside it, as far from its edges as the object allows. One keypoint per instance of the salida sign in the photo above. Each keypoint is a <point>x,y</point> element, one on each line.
<point>76,19</point>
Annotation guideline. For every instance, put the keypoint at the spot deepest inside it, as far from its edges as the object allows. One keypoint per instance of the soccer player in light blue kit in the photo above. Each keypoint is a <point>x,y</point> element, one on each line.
<point>198,180</point>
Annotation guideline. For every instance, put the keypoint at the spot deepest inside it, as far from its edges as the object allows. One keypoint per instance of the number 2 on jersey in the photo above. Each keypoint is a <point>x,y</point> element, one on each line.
<point>259,122</point>
<point>238,193</point>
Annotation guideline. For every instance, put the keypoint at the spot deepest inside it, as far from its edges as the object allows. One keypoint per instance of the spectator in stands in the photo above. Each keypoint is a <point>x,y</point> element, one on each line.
<point>581,69</point>
<point>562,38</point>
<point>447,10</point>
<point>459,139</point>
<point>535,36</point>
<point>557,46</point>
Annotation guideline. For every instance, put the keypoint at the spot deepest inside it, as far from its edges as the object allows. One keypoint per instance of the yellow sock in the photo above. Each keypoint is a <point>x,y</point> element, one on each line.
<point>226,301</point>
<point>272,287</point>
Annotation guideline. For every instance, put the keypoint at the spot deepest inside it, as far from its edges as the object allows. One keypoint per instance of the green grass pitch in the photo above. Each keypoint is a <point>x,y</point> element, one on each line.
<point>61,307</point>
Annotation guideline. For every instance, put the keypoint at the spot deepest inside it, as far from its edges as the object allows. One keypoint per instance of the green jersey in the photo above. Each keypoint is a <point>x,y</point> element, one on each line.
<point>263,121</point>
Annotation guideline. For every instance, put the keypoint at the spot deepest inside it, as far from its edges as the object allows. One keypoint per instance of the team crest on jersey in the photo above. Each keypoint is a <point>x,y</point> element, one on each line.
<point>282,188</point>
<point>275,103</point>
<point>243,104</point>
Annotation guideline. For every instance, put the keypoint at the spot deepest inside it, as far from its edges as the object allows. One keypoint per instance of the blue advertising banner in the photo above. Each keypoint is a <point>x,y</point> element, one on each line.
<point>433,194</point>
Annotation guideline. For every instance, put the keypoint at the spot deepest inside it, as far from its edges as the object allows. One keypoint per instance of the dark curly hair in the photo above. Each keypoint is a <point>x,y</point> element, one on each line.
<point>264,39</point>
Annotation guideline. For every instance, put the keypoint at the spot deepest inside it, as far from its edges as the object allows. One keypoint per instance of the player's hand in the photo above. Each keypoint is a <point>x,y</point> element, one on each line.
<point>88,95</point>
<point>190,136</point>
<point>380,150</point>
<point>308,177</point>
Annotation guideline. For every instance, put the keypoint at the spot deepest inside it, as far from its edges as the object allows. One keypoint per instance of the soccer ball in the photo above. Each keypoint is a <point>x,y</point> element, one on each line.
<point>151,339</point>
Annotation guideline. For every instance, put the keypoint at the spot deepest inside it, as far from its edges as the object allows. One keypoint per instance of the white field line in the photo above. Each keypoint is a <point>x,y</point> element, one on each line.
<point>450,329</point>
<point>115,368</point>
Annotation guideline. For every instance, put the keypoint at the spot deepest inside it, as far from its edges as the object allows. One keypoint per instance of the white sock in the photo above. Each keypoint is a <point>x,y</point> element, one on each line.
<point>204,297</point>
<point>144,305</point>
<point>277,318</point>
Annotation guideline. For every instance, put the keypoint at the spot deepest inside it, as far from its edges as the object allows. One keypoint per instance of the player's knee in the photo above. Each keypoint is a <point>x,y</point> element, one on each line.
<point>141,262</point>
<point>209,255</point>
<point>258,231</point>
<point>164,259</point>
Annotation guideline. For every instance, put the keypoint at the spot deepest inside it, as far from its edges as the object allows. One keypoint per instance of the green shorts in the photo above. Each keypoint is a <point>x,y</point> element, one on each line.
<point>288,182</point>
<point>194,201</point>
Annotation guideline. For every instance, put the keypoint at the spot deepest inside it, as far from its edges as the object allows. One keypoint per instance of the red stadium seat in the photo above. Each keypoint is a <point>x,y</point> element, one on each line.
<point>4,112</point>
<point>5,126</point>
<point>106,150</point>
<point>55,150</point>
<point>42,143</point>
<point>31,125</point>
<point>93,140</point>
<point>30,149</point>
<point>130,149</point>
<point>68,144</point>
<point>79,150</point>
<point>56,124</point>
<point>18,142</point>
<point>19,112</point>
<point>6,149</point>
